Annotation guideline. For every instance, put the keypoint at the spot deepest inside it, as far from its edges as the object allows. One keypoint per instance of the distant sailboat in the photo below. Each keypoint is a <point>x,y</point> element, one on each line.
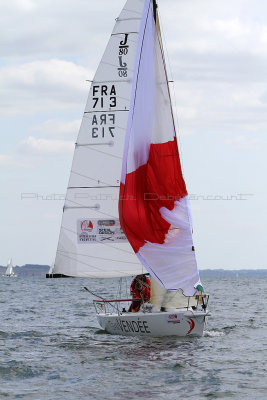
<point>126,153</point>
<point>9,271</point>
<point>50,272</point>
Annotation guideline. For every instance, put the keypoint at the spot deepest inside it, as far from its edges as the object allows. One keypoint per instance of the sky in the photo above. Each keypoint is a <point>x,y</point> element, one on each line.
<point>217,55</point>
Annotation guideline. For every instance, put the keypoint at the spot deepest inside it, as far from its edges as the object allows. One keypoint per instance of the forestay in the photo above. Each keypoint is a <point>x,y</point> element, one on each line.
<point>91,241</point>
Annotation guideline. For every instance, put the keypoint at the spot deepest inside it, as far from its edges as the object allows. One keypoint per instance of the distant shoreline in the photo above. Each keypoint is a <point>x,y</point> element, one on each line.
<point>41,270</point>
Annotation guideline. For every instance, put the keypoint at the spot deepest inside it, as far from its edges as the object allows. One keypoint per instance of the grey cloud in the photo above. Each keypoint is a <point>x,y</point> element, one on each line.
<point>53,28</point>
<point>263,97</point>
<point>229,67</point>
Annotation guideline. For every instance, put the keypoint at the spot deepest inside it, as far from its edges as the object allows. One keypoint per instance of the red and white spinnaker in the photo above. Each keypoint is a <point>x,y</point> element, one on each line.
<point>154,209</point>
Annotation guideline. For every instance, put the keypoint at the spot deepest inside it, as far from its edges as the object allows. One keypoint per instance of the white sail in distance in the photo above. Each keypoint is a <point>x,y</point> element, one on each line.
<point>9,270</point>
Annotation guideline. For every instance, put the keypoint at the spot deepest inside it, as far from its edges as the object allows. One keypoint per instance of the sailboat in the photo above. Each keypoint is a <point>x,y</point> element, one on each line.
<point>126,211</point>
<point>10,271</point>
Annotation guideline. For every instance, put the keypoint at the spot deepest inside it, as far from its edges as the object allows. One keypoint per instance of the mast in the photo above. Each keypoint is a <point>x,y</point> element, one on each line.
<point>155,6</point>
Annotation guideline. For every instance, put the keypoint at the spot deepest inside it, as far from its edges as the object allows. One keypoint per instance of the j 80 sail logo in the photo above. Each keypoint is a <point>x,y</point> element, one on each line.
<point>87,226</point>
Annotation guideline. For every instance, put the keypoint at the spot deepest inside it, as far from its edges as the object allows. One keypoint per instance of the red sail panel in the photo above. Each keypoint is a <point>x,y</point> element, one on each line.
<point>158,183</point>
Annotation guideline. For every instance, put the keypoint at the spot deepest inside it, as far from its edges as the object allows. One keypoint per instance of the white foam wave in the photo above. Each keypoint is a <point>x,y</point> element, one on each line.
<point>213,333</point>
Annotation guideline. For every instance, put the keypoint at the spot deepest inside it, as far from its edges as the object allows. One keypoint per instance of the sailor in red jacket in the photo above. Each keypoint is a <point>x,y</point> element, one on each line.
<point>140,290</point>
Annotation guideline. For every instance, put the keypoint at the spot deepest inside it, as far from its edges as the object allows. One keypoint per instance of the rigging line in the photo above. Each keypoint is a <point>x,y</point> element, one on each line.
<point>112,81</point>
<point>82,262</point>
<point>92,179</point>
<point>130,40</point>
<point>92,187</point>
<point>99,258</point>
<point>102,298</point>
<point>103,152</point>
<point>159,39</point>
<point>106,125</point>
<point>114,65</point>
<point>92,266</point>
<point>173,90</point>
<point>106,111</point>
<point>179,147</point>
<point>94,144</point>
<point>118,97</point>
<point>123,33</point>
<point>117,248</point>
<point>82,205</point>
<point>133,11</point>
<point>95,209</point>
<point>141,53</point>
<point>128,19</point>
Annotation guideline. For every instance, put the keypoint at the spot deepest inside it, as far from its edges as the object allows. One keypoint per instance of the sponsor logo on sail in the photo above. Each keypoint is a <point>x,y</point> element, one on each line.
<point>87,226</point>
<point>106,222</point>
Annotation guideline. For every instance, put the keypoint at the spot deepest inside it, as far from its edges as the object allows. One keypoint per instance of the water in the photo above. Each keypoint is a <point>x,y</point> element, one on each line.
<point>51,346</point>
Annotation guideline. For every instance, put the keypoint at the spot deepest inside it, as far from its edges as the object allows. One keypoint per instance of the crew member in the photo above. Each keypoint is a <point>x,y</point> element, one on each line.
<point>140,291</point>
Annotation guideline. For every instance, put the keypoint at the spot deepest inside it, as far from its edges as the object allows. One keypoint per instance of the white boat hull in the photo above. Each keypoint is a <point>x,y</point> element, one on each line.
<point>180,323</point>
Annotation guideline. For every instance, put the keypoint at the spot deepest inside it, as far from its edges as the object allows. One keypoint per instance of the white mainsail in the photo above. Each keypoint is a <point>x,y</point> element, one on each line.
<point>91,241</point>
<point>9,270</point>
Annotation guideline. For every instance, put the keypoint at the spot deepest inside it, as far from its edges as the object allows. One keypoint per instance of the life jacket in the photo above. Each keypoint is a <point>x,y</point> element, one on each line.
<point>140,288</point>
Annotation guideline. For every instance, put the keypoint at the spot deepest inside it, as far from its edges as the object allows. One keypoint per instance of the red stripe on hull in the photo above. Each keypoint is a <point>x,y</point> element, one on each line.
<point>159,183</point>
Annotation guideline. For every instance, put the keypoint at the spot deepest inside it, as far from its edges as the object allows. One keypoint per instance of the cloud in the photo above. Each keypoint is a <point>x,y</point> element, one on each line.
<point>223,27</point>
<point>12,161</point>
<point>41,85</point>
<point>45,146</point>
<point>214,107</point>
<point>212,41</point>
<point>27,5</point>
<point>242,142</point>
<point>59,129</point>
<point>263,97</point>
<point>48,28</point>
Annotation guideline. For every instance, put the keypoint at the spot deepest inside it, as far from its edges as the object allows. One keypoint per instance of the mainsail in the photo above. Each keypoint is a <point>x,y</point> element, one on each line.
<point>129,101</point>
<point>9,270</point>
<point>91,241</point>
<point>154,209</point>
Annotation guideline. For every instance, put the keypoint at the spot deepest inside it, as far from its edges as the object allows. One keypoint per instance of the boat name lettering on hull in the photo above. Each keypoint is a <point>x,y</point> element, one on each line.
<point>133,326</point>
